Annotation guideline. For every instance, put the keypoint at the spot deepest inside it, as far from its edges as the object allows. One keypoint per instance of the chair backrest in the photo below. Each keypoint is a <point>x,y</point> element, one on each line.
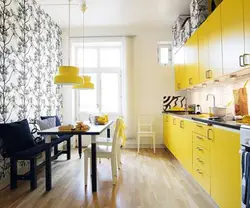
<point>116,135</point>
<point>145,123</point>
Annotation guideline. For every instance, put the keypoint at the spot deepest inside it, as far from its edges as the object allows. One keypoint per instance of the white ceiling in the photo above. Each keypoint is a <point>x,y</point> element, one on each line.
<point>117,12</point>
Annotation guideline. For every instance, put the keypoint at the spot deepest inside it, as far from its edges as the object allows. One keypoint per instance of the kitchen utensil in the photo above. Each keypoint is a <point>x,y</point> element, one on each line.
<point>217,111</point>
<point>198,109</point>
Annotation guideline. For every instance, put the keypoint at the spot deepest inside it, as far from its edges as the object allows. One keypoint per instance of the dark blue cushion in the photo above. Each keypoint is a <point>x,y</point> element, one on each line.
<point>16,136</point>
<point>58,122</point>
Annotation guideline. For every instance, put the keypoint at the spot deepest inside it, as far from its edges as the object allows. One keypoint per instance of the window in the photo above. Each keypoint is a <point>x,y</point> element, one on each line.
<point>164,52</point>
<point>103,62</point>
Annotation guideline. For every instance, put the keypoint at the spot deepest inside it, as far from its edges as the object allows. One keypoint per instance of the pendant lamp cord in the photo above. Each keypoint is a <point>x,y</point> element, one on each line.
<point>83,36</point>
<point>69,35</point>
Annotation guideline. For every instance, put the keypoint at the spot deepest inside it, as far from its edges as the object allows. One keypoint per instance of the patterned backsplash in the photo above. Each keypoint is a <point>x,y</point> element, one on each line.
<point>30,53</point>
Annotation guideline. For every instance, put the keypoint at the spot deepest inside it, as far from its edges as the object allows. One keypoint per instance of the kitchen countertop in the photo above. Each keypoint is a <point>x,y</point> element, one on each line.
<point>227,124</point>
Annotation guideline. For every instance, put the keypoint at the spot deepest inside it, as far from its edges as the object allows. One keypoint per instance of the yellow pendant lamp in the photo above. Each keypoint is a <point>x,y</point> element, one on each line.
<point>68,75</point>
<point>86,83</point>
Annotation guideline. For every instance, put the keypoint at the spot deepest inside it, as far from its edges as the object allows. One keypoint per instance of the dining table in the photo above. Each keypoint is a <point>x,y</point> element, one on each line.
<point>94,131</point>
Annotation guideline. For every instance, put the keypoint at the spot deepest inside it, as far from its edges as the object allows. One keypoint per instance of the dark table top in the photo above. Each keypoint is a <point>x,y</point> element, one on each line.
<point>94,130</point>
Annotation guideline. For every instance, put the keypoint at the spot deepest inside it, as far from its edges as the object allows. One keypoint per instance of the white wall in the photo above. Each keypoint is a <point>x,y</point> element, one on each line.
<point>223,93</point>
<point>150,81</point>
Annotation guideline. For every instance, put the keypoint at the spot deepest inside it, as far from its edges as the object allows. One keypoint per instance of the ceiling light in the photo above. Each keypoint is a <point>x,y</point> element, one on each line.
<point>86,83</point>
<point>68,75</point>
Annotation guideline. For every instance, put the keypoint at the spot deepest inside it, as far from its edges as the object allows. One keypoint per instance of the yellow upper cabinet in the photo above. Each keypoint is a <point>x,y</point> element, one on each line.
<point>247,31</point>
<point>179,69</point>
<point>225,168</point>
<point>232,34</point>
<point>191,61</point>
<point>203,42</point>
<point>215,43</point>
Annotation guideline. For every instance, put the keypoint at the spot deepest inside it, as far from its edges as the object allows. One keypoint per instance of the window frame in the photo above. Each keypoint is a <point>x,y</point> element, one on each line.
<point>169,47</point>
<point>98,71</point>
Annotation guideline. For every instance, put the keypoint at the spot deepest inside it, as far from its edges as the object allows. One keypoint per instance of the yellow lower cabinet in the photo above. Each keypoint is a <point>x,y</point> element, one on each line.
<point>175,136</point>
<point>185,143</point>
<point>201,166</point>
<point>225,168</point>
<point>165,129</point>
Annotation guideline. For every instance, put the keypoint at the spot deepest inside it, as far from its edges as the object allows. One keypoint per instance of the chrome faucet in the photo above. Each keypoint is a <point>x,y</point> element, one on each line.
<point>213,98</point>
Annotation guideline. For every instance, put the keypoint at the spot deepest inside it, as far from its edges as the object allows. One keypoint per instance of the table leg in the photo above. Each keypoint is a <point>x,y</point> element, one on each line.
<point>108,132</point>
<point>93,165</point>
<point>80,145</point>
<point>48,164</point>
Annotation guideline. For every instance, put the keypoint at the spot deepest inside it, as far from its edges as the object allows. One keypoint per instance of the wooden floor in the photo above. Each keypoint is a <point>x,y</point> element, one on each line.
<point>145,181</point>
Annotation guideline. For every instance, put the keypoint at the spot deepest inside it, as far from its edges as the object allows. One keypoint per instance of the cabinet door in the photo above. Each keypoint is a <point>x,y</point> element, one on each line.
<point>215,44</point>
<point>165,129</point>
<point>232,34</point>
<point>247,31</point>
<point>177,71</point>
<point>203,44</point>
<point>225,168</point>
<point>191,61</point>
<point>185,144</point>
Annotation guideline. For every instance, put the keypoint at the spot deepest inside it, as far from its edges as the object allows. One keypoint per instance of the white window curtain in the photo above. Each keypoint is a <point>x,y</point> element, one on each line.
<point>128,107</point>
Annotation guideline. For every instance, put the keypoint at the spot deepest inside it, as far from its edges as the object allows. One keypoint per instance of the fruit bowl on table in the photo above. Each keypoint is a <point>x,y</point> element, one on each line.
<point>81,127</point>
<point>101,120</point>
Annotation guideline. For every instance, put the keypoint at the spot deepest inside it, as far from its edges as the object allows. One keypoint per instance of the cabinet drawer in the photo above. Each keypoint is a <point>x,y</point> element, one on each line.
<point>201,165</point>
<point>203,179</point>
<point>201,153</point>
<point>201,141</point>
<point>200,129</point>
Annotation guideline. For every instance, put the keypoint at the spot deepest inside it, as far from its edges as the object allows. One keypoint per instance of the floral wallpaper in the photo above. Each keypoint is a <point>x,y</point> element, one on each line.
<point>30,53</point>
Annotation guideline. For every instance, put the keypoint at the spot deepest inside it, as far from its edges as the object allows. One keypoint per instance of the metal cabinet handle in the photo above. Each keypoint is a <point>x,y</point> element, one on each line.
<point>208,134</point>
<point>240,60</point>
<point>174,121</point>
<point>190,81</point>
<point>182,124</point>
<point>199,160</point>
<point>199,171</point>
<point>179,86</point>
<point>198,137</point>
<point>208,72</point>
<point>200,126</point>
<point>244,56</point>
<point>198,148</point>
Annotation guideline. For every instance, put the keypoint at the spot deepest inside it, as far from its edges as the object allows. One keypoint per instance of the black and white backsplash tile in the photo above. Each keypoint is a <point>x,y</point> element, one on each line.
<point>172,101</point>
<point>30,53</point>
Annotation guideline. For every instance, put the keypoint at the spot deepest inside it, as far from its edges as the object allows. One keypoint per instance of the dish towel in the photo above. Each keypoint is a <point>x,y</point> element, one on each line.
<point>244,176</point>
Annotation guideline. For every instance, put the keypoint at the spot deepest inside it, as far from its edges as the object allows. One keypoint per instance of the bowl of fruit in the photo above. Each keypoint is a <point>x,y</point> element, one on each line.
<point>80,126</point>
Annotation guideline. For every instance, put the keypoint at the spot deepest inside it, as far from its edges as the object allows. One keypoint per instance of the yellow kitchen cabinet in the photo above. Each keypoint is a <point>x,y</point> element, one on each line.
<point>166,129</point>
<point>215,44</point>
<point>203,44</point>
<point>174,137</point>
<point>232,35</point>
<point>191,61</point>
<point>225,168</point>
<point>246,4</point>
<point>185,144</point>
<point>179,69</point>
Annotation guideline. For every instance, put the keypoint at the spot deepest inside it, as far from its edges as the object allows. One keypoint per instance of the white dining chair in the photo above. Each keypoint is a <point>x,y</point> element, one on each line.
<point>145,129</point>
<point>109,141</point>
<point>104,151</point>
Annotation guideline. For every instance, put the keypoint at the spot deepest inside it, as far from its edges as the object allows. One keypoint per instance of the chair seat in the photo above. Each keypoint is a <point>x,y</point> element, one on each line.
<point>104,141</point>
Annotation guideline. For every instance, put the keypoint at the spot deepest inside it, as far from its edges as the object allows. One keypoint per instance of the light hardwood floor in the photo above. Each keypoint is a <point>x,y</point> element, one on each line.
<point>145,181</point>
